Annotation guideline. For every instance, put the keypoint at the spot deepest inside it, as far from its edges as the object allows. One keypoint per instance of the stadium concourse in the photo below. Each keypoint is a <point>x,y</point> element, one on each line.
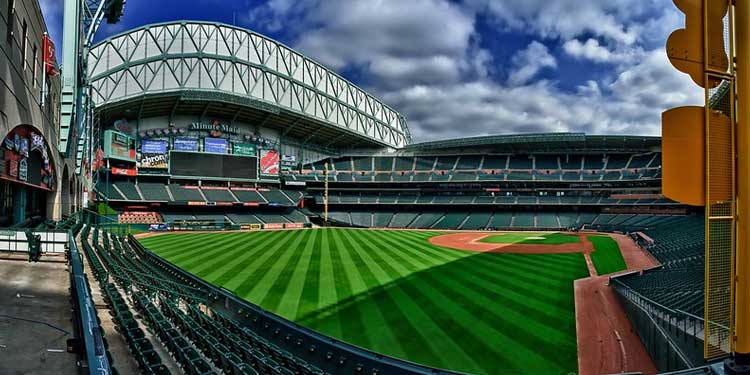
<point>250,211</point>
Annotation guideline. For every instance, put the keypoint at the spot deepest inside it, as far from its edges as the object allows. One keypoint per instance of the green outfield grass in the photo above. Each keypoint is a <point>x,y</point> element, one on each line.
<point>607,257</point>
<point>395,293</point>
<point>523,238</point>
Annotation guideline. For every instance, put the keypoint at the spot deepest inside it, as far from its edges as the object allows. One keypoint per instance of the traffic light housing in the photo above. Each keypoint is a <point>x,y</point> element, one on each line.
<point>685,47</point>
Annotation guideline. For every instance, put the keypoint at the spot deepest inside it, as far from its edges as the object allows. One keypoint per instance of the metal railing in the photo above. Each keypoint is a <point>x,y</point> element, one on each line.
<point>85,318</point>
<point>673,338</point>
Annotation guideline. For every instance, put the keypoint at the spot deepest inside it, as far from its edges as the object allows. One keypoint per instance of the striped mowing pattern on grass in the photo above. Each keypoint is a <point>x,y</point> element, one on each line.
<point>607,257</point>
<point>397,294</point>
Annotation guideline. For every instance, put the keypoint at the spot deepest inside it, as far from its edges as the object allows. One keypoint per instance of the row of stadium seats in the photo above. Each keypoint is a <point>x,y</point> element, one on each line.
<point>678,244</point>
<point>498,162</point>
<point>344,198</point>
<point>485,175</point>
<point>196,339</point>
<point>157,192</point>
<point>291,216</point>
<point>141,348</point>
<point>487,220</point>
<point>201,339</point>
<point>139,217</point>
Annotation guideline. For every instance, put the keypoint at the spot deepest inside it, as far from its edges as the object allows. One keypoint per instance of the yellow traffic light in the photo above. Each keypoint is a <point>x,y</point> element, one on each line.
<point>685,47</point>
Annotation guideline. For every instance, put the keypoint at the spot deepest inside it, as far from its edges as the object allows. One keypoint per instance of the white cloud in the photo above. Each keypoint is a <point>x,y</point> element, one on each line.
<point>567,19</point>
<point>591,50</point>
<point>423,58</point>
<point>530,61</point>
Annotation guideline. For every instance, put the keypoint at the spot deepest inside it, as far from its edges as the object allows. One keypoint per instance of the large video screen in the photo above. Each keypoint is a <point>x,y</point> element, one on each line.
<point>198,164</point>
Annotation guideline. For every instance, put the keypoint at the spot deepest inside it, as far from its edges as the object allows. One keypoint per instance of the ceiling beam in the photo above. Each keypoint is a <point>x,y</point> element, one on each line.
<point>336,138</point>
<point>205,110</point>
<point>291,127</point>
<point>236,114</point>
<point>313,134</point>
<point>174,109</point>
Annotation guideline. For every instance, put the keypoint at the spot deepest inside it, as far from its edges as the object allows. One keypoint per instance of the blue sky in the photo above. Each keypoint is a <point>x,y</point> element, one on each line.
<point>459,68</point>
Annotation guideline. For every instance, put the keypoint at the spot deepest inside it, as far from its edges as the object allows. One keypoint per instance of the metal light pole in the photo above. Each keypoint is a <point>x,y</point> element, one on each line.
<point>325,195</point>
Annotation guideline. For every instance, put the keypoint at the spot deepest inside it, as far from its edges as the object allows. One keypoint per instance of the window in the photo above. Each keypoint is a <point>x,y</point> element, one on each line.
<point>24,41</point>
<point>11,19</point>
<point>33,65</point>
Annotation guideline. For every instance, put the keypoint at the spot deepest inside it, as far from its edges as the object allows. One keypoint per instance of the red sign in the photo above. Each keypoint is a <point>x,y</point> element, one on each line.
<point>273,226</point>
<point>269,162</point>
<point>294,225</point>
<point>251,204</point>
<point>124,171</point>
<point>50,65</point>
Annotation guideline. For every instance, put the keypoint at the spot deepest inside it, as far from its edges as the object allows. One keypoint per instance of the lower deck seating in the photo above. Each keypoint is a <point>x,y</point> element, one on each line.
<point>451,220</point>
<point>199,339</point>
<point>128,189</point>
<point>139,217</point>
<point>678,244</point>
<point>269,218</point>
<point>426,220</point>
<point>477,220</point>
<point>362,219</point>
<point>245,218</point>
<point>154,191</point>
<point>402,219</point>
<point>547,220</point>
<point>218,195</point>
<point>524,220</point>
<point>170,217</point>
<point>183,194</point>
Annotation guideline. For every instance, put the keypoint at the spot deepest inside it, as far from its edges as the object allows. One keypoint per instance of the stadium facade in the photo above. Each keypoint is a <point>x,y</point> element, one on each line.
<point>35,182</point>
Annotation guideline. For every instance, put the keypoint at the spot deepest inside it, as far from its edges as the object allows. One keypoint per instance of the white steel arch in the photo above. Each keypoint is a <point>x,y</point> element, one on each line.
<point>172,57</point>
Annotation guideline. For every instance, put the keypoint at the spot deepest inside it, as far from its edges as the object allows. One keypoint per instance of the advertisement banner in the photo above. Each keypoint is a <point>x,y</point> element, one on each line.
<point>157,227</point>
<point>23,170</point>
<point>269,162</point>
<point>186,144</point>
<point>154,161</point>
<point>153,146</point>
<point>244,149</point>
<point>48,56</point>
<point>215,145</point>
<point>288,158</point>
<point>124,171</point>
<point>23,148</point>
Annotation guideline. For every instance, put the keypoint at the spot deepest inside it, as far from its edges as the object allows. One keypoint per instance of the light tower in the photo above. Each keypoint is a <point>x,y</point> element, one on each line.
<point>706,161</point>
<point>81,20</point>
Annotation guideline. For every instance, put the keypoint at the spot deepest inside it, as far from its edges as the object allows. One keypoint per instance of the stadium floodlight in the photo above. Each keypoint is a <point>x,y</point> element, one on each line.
<point>700,47</point>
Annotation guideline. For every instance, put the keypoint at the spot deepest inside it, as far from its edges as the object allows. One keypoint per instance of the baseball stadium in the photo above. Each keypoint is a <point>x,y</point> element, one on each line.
<point>231,206</point>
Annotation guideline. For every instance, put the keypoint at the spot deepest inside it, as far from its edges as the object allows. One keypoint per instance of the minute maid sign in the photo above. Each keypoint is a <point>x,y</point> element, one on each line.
<point>215,128</point>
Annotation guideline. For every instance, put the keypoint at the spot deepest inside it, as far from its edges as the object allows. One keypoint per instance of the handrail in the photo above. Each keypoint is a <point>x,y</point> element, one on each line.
<point>96,353</point>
